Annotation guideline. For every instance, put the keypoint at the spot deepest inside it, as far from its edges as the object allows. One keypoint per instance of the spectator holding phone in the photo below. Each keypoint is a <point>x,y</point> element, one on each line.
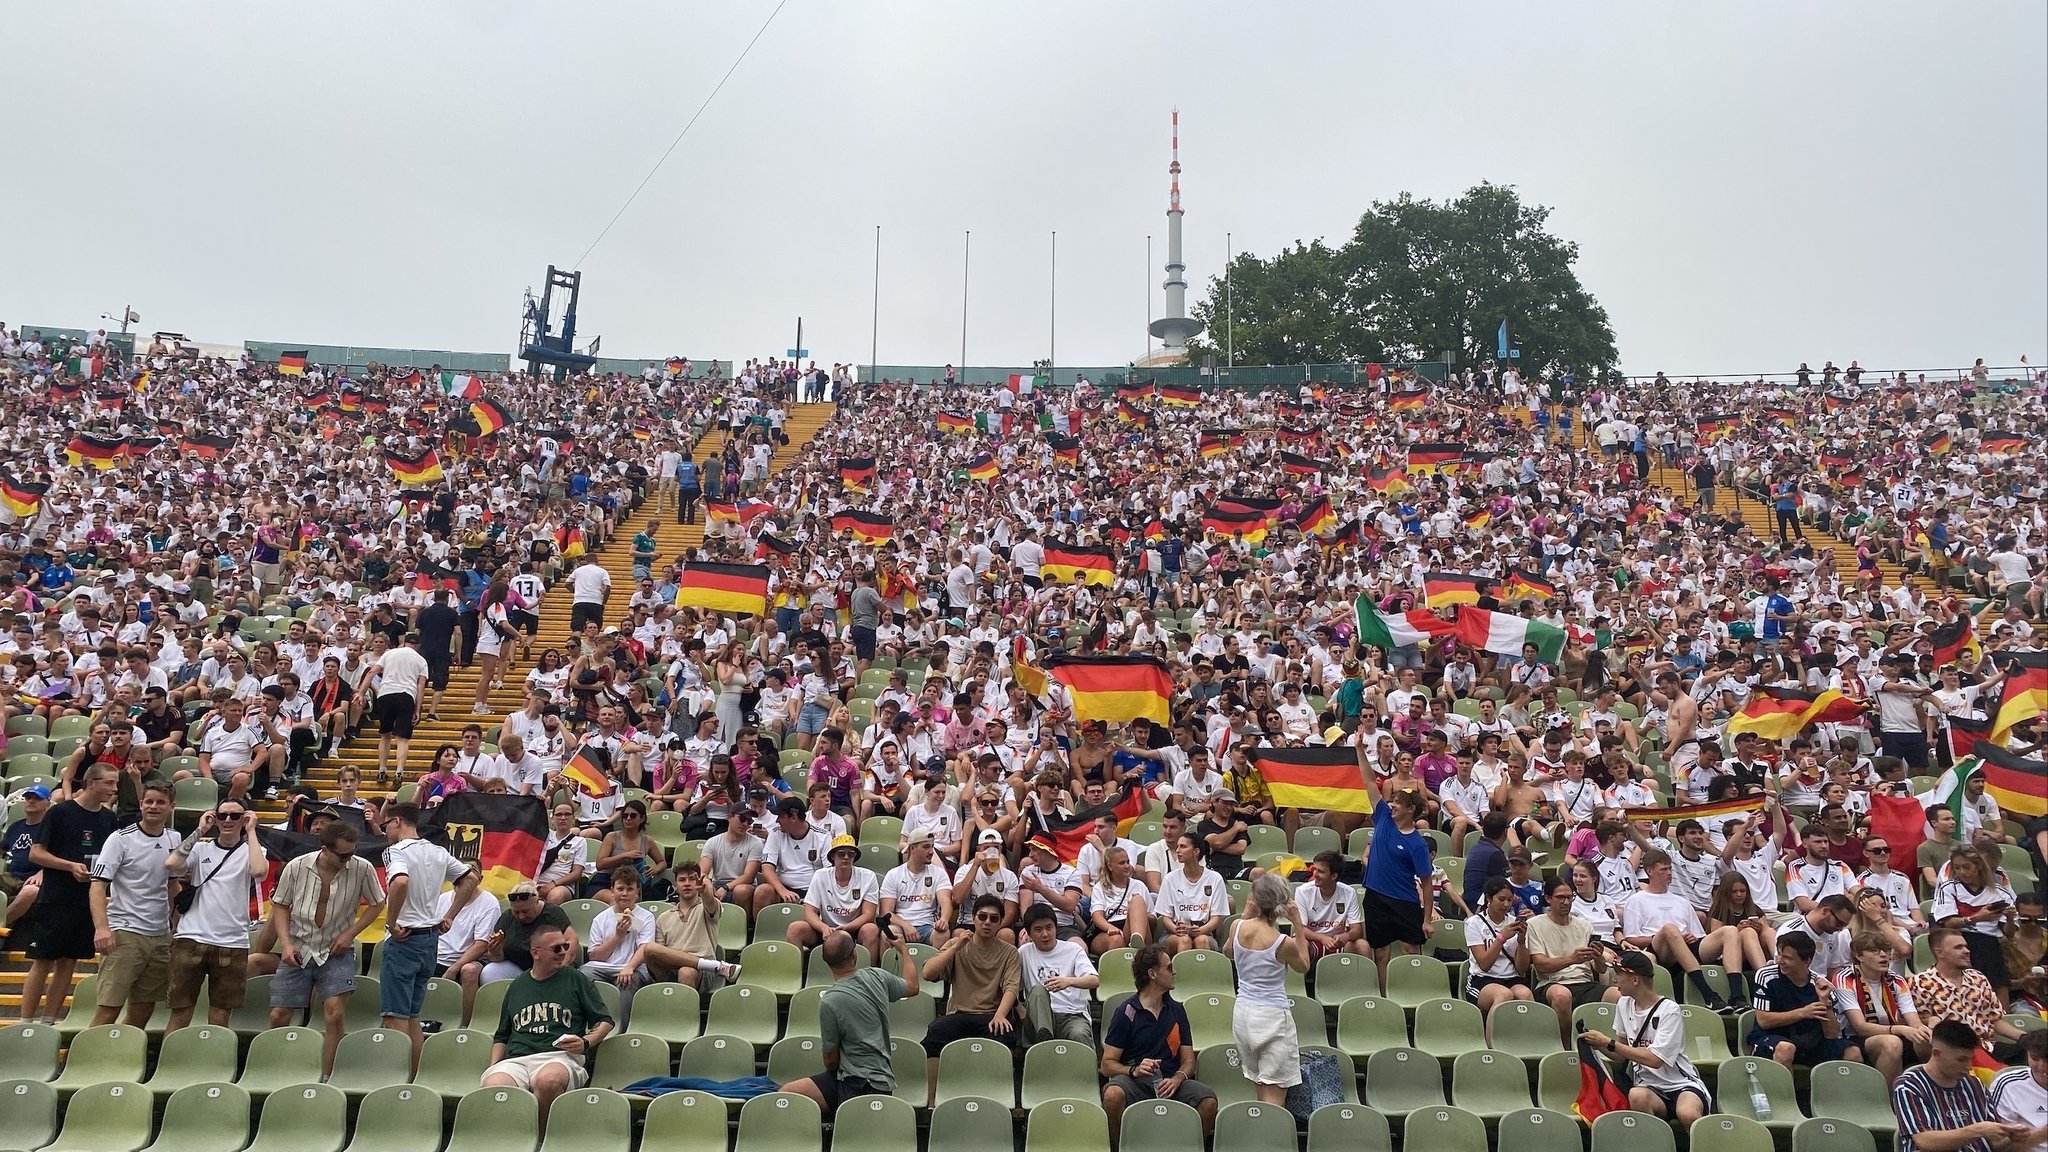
<point>552,1020</point>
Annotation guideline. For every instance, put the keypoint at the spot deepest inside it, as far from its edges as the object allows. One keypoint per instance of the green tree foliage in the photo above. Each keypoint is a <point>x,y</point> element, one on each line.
<point>1416,278</point>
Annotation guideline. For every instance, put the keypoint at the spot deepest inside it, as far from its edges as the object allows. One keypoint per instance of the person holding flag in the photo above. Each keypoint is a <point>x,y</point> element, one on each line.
<point>1649,1037</point>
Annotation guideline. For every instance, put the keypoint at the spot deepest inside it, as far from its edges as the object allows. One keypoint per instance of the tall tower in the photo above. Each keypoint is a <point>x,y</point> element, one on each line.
<point>1174,328</point>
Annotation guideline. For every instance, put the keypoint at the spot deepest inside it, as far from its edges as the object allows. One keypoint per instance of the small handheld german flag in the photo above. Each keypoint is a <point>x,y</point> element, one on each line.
<point>1246,525</point>
<point>292,363</point>
<point>1180,396</point>
<point>1316,517</point>
<point>1443,589</point>
<point>1522,584</point>
<point>1426,458</point>
<point>857,473</point>
<point>955,423</point>
<point>1391,481</point>
<point>1408,401</point>
<point>490,416</point>
<point>864,526</point>
<point>1065,449</point>
<point>983,467</point>
<point>24,498</point>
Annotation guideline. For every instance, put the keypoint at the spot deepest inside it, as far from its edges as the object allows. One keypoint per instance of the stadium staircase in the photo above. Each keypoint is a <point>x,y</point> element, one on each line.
<point>616,555</point>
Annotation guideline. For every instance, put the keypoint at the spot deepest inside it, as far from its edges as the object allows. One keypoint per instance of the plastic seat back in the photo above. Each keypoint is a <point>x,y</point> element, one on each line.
<point>1160,1126</point>
<point>281,1058</point>
<point>589,1120</point>
<point>1064,1125</point>
<point>28,1052</point>
<point>1824,1134</point>
<point>975,1067</point>
<point>199,1054</point>
<point>1400,1080</point>
<point>1255,1124</point>
<point>715,1058</point>
<point>625,1058</point>
<point>1540,1130</point>
<point>401,1118</point>
<point>669,1012</point>
<point>1444,1129</point>
<point>110,1054</point>
<point>28,1111</point>
<point>205,1117</point>
<point>874,1124</point>
<point>779,1122</point>
<point>368,1061</point>
<point>113,1116</point>
<point>496,1120</point>
<point>971,1124</point>
<point>1632,1132</point>
<point>1056,1070</point>
<point>1349,1127</point>
<point>1730,1134</point>
<point>452,1063</point>
<point>303,1118</point>
<point>745,1011</point>
<point>685,1122</point>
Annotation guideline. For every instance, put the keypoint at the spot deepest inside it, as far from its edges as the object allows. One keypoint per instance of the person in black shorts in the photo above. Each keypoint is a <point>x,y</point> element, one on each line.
<point>1145,1054</point>
<point>1798,1021</point>
<point>438,622</point>
<point>853,1025</point>
<point>56,933</point>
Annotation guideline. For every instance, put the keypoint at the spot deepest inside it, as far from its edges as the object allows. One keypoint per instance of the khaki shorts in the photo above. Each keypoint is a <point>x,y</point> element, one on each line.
<point>225,971</point>
<point>522,1069</point>
<point>138,969</point>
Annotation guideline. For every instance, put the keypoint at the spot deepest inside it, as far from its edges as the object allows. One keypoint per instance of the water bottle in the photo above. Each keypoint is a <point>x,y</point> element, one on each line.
<point>1759,1101</point>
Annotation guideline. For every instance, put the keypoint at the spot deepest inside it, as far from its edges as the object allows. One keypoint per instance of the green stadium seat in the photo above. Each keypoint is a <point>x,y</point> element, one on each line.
<point>1490,1084</point>
<point>796,1058</point>
<point>200,1054</point>
<point>711,1057</point>
<point>1064,1125</point>
<point>1444,1129</point>
<point>745,1011</point>
<point>25,744</point>
<point>1209,1016</point>
<point>910,1017</point>
<point>1312,840</point>
<point>1400,1080</point>
<point>1524,1028</point>
<point>443,1004</point>
<point>818,973</point>
<point>64,727</point>
<point>1822,1134</point>
<point>972,1124</point>
<point>496,1120</point>
<point>1598,1017</point>
<point>489,1003</point>
<point>1200,970</point>
<point>1540,1130</point>
<point>253,1016</point>
<point>28,1052</point>
<point>209,1117</point>
<point>1706,1038</point>
<point>1146,833</point>
<point>589,1120</point>
<point>974,1067</point>
<point>881,830</point>
<point>775,965</point>
<point>1113,969</point>
<point>1415,980</point>
<point>626,1057</point>
<point>1160,1126</point>
<point>1632,1132</point>
<point>874,1124</point>
<point>28,1112</point>
<point>779,1122</point>
<point>582,913</point>
<point>401,1118</point>
<point>1730,1134</point>
<point>114,1116</point>
<point>1557,1081</point>
<point>361,1015</point>
<point>1348,1128</point>
<point>1264,838</point>
<point>1857,1093</point>
<point>452,1063</point>
<point>303,1118</point>
<point>1343,975</point>
<point>1058,1069</point>
<point>281,1058</point>
<point>669,1013</point>
<point>370,1060</point>
<point>1366,1024</point>
<point>1222,1069</point>
<point>775,919</point>
<point>802,1018</point>
<point>922,954</point>
<point>1447,1029</point>
<point>27,724</point>
<point>1311,1025</point>
<point>685,1122</point>
<point>1731,1092</point>
<point>110,1054</point>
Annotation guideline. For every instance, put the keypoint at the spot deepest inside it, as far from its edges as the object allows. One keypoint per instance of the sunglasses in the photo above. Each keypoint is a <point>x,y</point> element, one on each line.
<point>988,917</point>
<point>229,815</point>
<point>561,949</point>
<point>1880,851</point>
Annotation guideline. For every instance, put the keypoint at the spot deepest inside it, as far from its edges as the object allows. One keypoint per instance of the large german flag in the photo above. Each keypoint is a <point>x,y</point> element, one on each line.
<point>1244,523</point>
<point>1128,414</point>
<point>1426,458</point>
<point>1090,564</point>
<point>1707,813</point>
<point>955,423</point>
<point>1134,392</point>
<point>1388,480</point>
<point>1521,584</point>
<point>1712,428</point>
<point>2025,694</point>
<point>351,400</point>
<point>501,836</point>
<point>1409,401</point>
<point>983,467</point>
<point>1065,449</point>
<point>1180,396</point>
<point>1215,442</point>
<point>1070,833</point>
<point>1937,444</point>
<point>865,527</point>
<point>64,391</point>
<point>1115,689</point>
<point>21,497</point>
<point>1295,465</point>
<point>2018,784</point>
<point>1781,713</point>
<point>101,452</point>
<point>205,445</point>
<point>292,363</point>
<point>1316,517</point>
<point>1443,589</point>
<point>1833,459</point>
<point>1327,779</point>
<point>737,588</point>
<point>2002,444</point>
<point>424,468</point>
<point>857,472</point>
<point>1295,437</point>
<point>1954,640</point>
<point>1964,734</point>
<point>490,416</point>
<point>773,547</point>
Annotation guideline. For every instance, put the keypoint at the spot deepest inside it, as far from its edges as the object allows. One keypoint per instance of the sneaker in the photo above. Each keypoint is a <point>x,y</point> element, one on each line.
<point>480,710</point>
<point>1714,1003</point>
<point>270,793</point>
<point>731,973</point>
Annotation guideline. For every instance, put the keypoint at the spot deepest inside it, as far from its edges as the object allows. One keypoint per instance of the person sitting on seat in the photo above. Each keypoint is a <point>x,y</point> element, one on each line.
<point>1145,1054</point>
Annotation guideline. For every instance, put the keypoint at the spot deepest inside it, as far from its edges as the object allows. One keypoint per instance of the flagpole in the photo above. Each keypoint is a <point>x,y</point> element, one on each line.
<point>1229,310</point>
<point>1148,296</point>
<point>1053,311</point>
<point>966,253</point>
<point>875,319</point>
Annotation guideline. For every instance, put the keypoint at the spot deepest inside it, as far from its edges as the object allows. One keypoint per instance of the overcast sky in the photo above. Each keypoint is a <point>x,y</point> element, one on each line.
<point>1750,184</point>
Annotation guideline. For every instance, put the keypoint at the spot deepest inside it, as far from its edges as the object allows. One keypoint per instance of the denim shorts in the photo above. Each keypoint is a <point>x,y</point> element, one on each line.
<point>404,967</point>
<point>811,720</point>
<point>295,986</point>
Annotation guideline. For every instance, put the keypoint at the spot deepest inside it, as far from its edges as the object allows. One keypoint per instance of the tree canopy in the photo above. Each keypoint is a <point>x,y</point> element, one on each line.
<point>1417,278</point>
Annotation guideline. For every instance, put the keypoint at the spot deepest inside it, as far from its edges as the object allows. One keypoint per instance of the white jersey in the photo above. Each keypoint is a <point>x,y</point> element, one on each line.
<point>838,904</point>
<point>1330,915</point>
<point>917,893</point>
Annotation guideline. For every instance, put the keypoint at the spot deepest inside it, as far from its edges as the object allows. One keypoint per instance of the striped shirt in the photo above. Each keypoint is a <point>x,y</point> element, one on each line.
<point>1922,1105</point>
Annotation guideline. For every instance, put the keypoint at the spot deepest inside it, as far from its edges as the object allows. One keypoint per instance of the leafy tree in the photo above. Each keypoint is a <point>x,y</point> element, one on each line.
<point>1416,278</point>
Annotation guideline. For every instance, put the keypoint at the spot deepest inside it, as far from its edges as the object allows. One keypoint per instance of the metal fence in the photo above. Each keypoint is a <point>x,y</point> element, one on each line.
<point>349,356</point>
<point>1243,376</point>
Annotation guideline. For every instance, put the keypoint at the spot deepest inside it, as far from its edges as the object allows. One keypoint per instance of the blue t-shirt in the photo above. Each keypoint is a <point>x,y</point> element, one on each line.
<point>18,839</point>
<point>1139,1035</point>
<point>1775,605</point>
<point>1398,860</point>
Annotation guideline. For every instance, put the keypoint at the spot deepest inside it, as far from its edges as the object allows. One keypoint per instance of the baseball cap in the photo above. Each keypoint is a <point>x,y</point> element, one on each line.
<point>989,836</point>
<point>790,807</point>
<point>921,836</point>
<point>42,792</point>
<point>1638,963</point>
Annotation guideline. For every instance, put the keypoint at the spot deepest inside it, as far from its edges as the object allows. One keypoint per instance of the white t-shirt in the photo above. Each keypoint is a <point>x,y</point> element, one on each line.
<point>1662,1030</point>
<point>405,670</point>
<point>428,866</point>
<point>1645,912</point>
<point>838,904</point>
<point>590,582</point>
<point>1067,958</point>
<point>796,861</point>
<point>605,940</point>
<point>1329,916</point>
<point>220,913</point>
<point>231,751</point>
<point>916,893</point>
<point>1186,901</point>
<point>1479,930</point>
<point>132,864</point>
<point>944,823</point>
<point>475,922</point>
<point>562,857</point>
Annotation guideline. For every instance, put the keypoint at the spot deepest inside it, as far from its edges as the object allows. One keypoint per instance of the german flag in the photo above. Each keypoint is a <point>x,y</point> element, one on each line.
<point>1712,428</point>
<point>1180,396</point>
<point>1264,505</point>
<point>1155,530</point>
<point>955,423</point>
<point>64,391</point>
<point>983,467</point>
<point>1409,401</point>
<point>1295,437</point>
<point>1835,403</point>
<point>1134,392</point>
<point>865,527</point>
<point>674,365</point>
<point>773,547</point>
<point>570,541</point>
<point>1115,689</point>
<point>2025,693</point>
<point>317,399</point>
<point>375,402</point>
<point>1443,589</point>
<point>114,400</point>
<point>136,447</point>
<point>1964,733</point>
<point>644,430</point>
<point>21,497</point>
<point>1937,444</point>
<point>1479,518</point>
<point>1522,584</point>
<point>1348,536</point>
<point>351,400</point>
<point>491,417</point>
<point>1248,525</point>
<point>1214,442</point>
<point>749,511</point>
<point>723,511</point>
<point>1833,459</point>
<point>1783,415</point>
<point>499,835</point>
<point>857,473</point>
<point>1782,713</point>
<point>1130,415</point>
<point>101,452</point>
<point>1086,563</point>
<point>1295,465</point>
<point>1065,449</point>
<point>205,445</point>
<point>1953,640</point>
<point>425,468</point>
<point>1070,833</point>
<point>292,363</point>
<point>737,588</point>
<point>2002,444</point>
<point>1427,458</point>
<point>1316,517</point>
<point>2018,784</point>
<point>406,376</point>
<point>1388,480</point>
<point>1707,813</point>
<point>1323,779</point>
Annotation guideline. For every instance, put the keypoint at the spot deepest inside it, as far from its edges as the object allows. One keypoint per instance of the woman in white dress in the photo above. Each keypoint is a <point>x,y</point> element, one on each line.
<point>1262,1024</point>
<point>494,631</point>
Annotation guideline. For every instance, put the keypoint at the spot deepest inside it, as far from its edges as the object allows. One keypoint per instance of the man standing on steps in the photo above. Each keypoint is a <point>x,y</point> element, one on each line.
<point>528,589</point>
<point>56,933</point>
<point>404,673</point>
<point>131,912</point>
<point>589,586</point>
<point>687,488</point>
<point>665,462</point>
<point>436,624</point>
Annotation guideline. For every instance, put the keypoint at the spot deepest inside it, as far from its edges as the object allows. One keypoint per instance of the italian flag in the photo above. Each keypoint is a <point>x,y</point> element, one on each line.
<point>86,367</point>
<point>1504,633</point>
<point>1948,791</point>
<point>1019,383</point>
<point>992,423</point>
<point>1396,629</point>
<point>461,386</point>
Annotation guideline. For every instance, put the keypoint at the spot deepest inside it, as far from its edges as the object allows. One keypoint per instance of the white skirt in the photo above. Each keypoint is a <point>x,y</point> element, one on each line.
<point>1267,1045</point>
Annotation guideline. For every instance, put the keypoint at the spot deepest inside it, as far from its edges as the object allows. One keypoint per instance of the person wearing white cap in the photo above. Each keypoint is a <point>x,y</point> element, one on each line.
<point>986,874</point>
<point>917,895</point>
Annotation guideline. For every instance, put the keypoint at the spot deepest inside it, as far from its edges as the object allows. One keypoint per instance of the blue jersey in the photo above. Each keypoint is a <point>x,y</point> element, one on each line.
<point>1398,860</point>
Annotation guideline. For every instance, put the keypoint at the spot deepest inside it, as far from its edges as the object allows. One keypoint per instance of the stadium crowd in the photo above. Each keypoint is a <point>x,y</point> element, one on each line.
<point>1014,721</point>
